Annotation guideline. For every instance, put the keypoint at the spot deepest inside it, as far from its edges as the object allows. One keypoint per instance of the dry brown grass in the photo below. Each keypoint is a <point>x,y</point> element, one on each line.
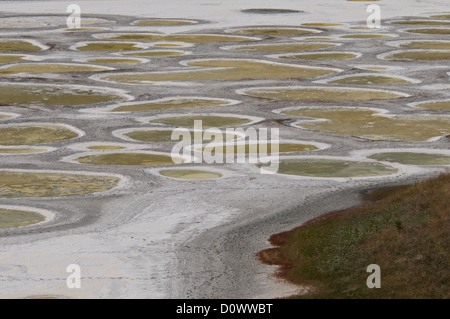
<point>405,230</point>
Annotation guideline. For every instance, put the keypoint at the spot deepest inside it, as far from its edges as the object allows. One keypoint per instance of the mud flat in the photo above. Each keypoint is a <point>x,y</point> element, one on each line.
<point>91,141</point>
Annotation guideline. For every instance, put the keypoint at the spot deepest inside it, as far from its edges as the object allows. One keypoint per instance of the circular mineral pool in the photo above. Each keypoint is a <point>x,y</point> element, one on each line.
<point>190,174</point>
<point>60,95</point>
<point>435,105</point>
<point>332,168</point>
<point>412,158</point>
<point>419,55</point>
<point>321,94</point>
<point>165,135</point>
<point>32,134</point>
<point>21,183</point>
<point>10,218</point>
<point>275,31</point>
<point>207,121</point>
<point>128,158</point>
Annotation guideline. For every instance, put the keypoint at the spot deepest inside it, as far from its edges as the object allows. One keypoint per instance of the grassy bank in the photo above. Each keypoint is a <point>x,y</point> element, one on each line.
<point>405,230</point>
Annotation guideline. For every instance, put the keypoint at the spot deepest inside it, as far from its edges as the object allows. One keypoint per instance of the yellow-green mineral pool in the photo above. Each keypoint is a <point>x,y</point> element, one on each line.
<point>419,55</point>
<point>84,29</point>
<point>187,38</point>
<point>14,183</point>
<point>435,105</point>
<point>258,148</point>
<point>333,168</point>
<point>169,44</point>
<point>371,79</point>
<point>163,136</point>
<point>412,158</point>
<point>208,121</point>
<point>9,58</point>
<point>286,47</point>
<point>321,94</point>
<point>162,22</point>
<point>322,24</point>
<point>238,69</point>
<point>19,46</point>
<point>275,31</point>
<point>10,218</point>
<point>441,16</point>
<point>171,104</point>
<point>106,147</point>
<point>322,56</point>
<point>108,46</point>
<point>21,150</point>
<point>190,174</point>
<point>367,123</point>
<point>366,36</point>
<point>156,53</point>
<point>433,45</point>
<point>58,95</point>
<point>128,158</point>
<point>33,68</point>
<point>432,31</point>
<point>4,116</point>
<point>31,134</point>
<point>422,22</point>
<point>115,61</point>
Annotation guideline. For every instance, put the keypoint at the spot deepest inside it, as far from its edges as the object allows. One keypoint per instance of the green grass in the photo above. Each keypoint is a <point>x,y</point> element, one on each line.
<point>405,230</point>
